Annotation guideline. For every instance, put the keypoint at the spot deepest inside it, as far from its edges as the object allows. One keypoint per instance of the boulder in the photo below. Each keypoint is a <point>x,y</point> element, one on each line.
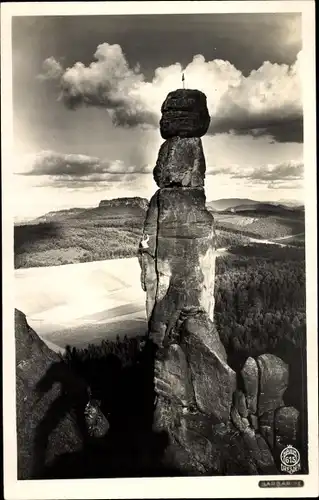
<point>200,325</point>
<point>190,446</point>
<point>172,377</point>
<point>259,452</point>
<point>180,162</point>
<point>266,425</point>
<point>213,380</point>
<point>274,375</point>
<point>230,455</point>
<point>184,100</point>
<point>240,403</point>
<point>286,426</point>
<point>184,124</point>
<point>46,423</point>
<point>240,423</point>
<point>96,422</point>
<point>249,375</point>
<point>184,114</point>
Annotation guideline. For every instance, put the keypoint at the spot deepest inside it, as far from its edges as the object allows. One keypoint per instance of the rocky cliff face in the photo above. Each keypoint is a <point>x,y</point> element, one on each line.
<point>53,414</point>
<point>213,426</point>
<point>134,202</point>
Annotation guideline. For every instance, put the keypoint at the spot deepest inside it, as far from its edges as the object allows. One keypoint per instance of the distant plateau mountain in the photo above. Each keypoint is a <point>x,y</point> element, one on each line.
<point>135,207</point>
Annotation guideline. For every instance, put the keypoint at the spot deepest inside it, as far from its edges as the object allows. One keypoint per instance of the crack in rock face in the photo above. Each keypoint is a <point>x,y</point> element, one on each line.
<point>178,273</point>
<point>212,425</point>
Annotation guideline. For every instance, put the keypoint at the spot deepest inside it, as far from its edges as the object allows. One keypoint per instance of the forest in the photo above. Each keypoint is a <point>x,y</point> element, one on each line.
<point>260,307</point>
<point>264,227</point>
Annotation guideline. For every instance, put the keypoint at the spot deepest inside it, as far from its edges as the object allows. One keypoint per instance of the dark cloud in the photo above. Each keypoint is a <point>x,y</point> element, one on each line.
<point>267,102</point>
<point>80,171</point>
<point>286,130</point>
<point>279,173</point>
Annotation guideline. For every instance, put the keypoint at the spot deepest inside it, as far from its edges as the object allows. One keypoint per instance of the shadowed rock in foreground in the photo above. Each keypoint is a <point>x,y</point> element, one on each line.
<point>50,401</point>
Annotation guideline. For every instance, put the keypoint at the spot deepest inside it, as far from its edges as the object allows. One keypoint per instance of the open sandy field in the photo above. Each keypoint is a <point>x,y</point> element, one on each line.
<point>78,304</point>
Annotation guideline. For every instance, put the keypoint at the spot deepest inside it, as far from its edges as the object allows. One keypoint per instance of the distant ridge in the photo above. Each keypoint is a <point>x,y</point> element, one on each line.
<point>227,203</point>
<point>246,204</point>
<point>134,201</point>
<point>137,206</point>
<point>265,209</point>
<point>129,206</point>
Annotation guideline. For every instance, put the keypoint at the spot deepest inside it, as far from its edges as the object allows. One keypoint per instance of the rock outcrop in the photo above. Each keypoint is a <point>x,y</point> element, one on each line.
<point>184,114</point>
<point>286,427</point>
<point>260,414</point>
<point>193,382</point>
<point>249,375</point>
<point>50,402</point>
<point>273,382</point>
<point>213,426</point>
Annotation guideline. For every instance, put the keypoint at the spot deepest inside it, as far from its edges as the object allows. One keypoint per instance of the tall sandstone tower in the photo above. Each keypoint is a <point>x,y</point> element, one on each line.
<point>193,383</point>
<point>216,421</point>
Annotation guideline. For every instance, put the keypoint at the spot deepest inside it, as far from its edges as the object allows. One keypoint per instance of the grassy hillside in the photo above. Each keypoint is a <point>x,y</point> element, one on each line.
<point>261,226</point>
<point>114,230</point>
<point>111,230</point>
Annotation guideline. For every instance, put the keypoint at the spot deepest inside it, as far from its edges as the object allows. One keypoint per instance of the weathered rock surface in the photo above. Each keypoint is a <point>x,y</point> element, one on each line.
<point>190,437</point>
<point>53,417</point>
<point>96,422</point>
<point>184,114</point>
<point>185,258</point>
<point>259,452</point>
<point>172,376</point>
<point>198,324</point>
<point>240,403</point>
<point>194,387</point>
<point>45,427</point>
<point>147,254</point>
<point>274,376</point>
<point>180,162</point>
<point>213,380</point>
<point>213,427</point>
<point>250,376</point>
<point>286,426</point>
<point>266,424</point>
<point>184,100</point>
<point>254,421</point>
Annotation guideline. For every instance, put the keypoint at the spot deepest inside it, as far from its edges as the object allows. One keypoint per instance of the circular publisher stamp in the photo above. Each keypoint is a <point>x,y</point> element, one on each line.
<point>290,459</point>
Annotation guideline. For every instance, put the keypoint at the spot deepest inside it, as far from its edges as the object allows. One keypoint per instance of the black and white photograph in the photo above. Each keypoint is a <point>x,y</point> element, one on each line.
<point>159,190</point>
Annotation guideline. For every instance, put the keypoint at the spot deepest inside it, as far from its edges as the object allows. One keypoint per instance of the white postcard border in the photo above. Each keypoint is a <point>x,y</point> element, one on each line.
<point>188,487</point>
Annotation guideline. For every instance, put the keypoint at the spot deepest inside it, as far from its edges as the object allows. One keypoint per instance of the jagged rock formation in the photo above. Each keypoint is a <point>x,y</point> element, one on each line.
<point>256,410</point>
<point>50,402</point>
<point>213,426</point>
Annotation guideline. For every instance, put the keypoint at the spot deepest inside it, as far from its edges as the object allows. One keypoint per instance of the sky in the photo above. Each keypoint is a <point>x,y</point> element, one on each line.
<point>87,92</point>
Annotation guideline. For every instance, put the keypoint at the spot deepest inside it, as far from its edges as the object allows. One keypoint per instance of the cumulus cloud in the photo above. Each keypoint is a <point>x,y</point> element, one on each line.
<point>266,102</point>
<point>279,175</point>
<point>52,69</point>
<point>76,170</point>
